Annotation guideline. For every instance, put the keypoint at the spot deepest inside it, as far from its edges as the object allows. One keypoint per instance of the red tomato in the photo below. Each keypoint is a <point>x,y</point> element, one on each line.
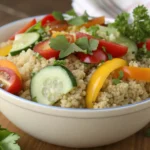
<point>47,19</point>
<point>114,49</point>
<point>96,57</point>
<point>44,50</point>
<point>10,81</point>
<point>140,45</point>
<point>24,29</point>
<point>80,35</point>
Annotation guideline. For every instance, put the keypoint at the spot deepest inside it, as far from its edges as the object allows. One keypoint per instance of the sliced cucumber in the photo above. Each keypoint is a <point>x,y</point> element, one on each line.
<point>23,42</point>
<point>132,48</point>
<point>50,83</point>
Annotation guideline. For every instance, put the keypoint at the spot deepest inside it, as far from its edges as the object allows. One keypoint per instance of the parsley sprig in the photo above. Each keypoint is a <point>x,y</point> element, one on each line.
<point>138,29</point>
<point>83,45</point>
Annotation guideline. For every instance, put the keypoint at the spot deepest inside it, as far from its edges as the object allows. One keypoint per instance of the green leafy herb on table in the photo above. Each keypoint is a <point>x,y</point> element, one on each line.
<point>8,140</point>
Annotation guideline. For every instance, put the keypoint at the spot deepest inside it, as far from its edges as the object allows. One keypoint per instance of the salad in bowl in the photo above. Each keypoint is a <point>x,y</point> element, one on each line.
<point>73,61</point>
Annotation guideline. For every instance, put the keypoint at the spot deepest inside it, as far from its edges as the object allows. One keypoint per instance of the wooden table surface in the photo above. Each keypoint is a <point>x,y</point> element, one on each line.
<point>11,10</point>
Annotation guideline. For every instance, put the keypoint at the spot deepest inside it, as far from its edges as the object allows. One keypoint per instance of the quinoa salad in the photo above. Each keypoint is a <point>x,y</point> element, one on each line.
<point>73,61</point>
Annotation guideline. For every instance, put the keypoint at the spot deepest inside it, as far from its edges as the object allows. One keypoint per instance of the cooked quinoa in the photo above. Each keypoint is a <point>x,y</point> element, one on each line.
<point>126,92</point>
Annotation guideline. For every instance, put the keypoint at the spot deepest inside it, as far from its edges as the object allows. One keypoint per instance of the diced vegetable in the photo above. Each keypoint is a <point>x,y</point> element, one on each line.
<point>47,19</point>
<point>112,48</point>
<point>10,81</point>
<point>10,65</point>
<point>98,78</point>
<point>95,21</point>
<point>24,29</point>
<point>97,57</point>
<point>50,83</point>
<point>23,42</point>
<point>44,50</point>
<point>4,51</point>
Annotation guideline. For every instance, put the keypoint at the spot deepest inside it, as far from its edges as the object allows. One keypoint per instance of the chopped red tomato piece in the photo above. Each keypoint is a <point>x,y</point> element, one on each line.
<point>10,81</point>
<point>44,50</point>
<point>97,57</point>
<point>24,29</point>
<point>114,49</point>
<point>47,19</point>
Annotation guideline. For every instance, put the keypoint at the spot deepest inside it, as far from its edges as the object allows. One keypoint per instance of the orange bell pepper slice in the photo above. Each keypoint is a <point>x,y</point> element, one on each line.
<point>10,65</point>
<point>137,73</point>
<point>95,21</point>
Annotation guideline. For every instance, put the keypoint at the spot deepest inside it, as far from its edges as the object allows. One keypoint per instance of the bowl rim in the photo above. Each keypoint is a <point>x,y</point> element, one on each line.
<point>75,112</point>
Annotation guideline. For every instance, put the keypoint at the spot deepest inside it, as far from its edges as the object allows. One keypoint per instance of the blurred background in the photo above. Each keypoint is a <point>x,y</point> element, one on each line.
<point>11,10</point>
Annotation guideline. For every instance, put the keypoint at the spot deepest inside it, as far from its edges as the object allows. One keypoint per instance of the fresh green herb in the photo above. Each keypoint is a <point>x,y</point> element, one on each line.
<point>58,15</point>
<point>59,62</point>
<point>36,28</point>
<point>34,99</point>
<point>138,29</point>
<point>89,45</point>
<point>71,13</point>
<point>32,74</point>
<point>79,20</point>
<point>8,140</point>
<point>117,81</point>
<point>64,46</point>
<point>142,52</point>
<point>109,56</point>
<point>147,133</point>
<point>93,30</point>
<point>38,56</point>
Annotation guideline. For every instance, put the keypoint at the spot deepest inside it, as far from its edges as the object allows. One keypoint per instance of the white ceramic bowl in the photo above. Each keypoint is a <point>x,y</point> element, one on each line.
<point>71,127</point>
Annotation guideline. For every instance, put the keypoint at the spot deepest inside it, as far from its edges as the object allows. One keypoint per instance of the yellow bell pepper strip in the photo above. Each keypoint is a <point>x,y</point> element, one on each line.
<point>4,51</point>
<point>95,21</point>
<point>10,65</point>
<point>140,74</point>
<point>98,78</point>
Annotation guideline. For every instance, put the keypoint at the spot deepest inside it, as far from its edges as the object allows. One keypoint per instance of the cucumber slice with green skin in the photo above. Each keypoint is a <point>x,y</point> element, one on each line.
<point>50,83</point>
<point>132,47</point>
<point>23,42</point>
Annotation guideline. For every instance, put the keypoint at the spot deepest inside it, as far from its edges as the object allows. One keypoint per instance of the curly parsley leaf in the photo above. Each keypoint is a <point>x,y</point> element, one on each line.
<point>138,29</point>
<point>8,140</point>
<point>61,44</point>
<point>58,15</point>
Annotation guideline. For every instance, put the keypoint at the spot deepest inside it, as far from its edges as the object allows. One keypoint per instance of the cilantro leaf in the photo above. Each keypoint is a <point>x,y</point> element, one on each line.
<point>109,56</point>
<point>61,44</point>
<point>79,20</point>
<point>93,31</point>
<point>71,13</point>
<point>89,45</point>
<point>58,15</point>
<point>121,74</point>
<point>8,140</point>
<point>115,81</point>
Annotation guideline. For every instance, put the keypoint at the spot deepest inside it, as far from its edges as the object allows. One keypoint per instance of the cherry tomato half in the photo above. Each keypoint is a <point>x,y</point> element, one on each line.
<point>24,29</point>
<point>47,19</point>
<point>114,49</point>
<point>44,50</point>
<point>140,45</point>
<point>10,81</point>
<point>97,57</point>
